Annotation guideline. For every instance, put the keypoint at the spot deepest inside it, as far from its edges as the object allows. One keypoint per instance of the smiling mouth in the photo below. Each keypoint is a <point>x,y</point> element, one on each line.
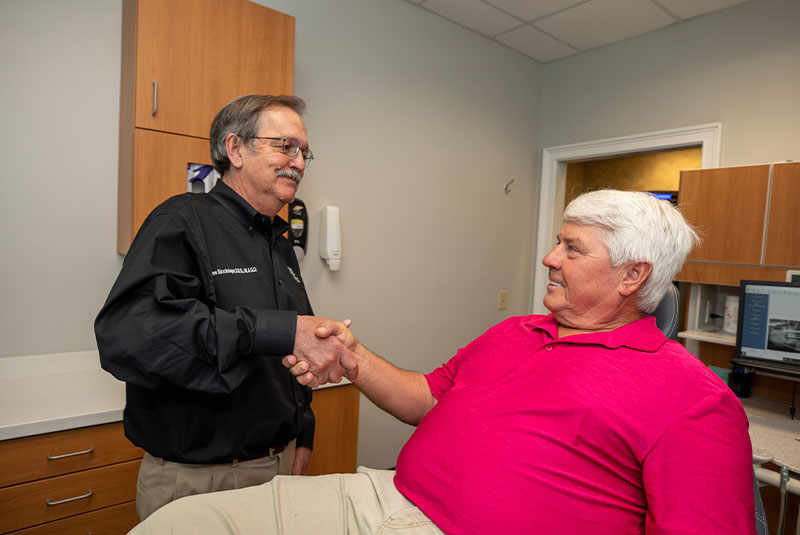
<point>555,284</point>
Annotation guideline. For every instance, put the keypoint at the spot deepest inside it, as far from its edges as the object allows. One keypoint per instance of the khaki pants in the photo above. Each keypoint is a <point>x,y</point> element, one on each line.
<point>161,482</point>
<point>363,503</point>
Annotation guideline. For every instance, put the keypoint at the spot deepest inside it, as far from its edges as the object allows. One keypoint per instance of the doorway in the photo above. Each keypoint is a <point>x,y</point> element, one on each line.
<point>552,191</point>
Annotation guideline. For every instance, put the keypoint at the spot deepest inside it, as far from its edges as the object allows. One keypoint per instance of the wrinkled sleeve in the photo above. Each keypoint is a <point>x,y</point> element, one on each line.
<point>698,478</point>
<point>307,422</point>
<point>158,325</point>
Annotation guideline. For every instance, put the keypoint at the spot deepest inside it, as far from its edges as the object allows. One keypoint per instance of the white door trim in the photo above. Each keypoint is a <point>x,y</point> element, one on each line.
<point>554,170</point>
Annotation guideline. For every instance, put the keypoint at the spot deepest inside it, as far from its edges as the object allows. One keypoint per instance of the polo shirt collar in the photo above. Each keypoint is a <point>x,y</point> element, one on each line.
<point>642,334</point>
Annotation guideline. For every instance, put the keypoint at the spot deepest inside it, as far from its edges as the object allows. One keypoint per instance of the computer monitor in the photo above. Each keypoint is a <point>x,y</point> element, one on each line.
<point>768,331</point>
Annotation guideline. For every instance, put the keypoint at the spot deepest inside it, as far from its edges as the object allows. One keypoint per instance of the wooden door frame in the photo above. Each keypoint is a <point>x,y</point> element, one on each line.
<point>554,171</point>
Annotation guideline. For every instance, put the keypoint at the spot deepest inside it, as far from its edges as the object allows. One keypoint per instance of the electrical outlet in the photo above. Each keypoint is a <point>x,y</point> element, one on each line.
<point>502,300</point>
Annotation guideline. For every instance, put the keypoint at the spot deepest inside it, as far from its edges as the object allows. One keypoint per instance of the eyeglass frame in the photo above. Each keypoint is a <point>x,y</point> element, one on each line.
<point>308,156</point>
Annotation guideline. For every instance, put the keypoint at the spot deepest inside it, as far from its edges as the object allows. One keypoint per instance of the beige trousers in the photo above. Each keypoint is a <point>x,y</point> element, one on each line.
<point>363,503</point>
<point>161,482</point>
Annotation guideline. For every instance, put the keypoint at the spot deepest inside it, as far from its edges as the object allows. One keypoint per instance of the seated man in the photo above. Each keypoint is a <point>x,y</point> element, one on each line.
<point>587,420</point>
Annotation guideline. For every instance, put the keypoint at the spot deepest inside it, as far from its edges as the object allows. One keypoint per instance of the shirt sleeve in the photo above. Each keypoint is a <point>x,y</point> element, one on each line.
<point>698,478</point>
<point>442,378</point>
<point>307,423</point>
<point>157,324</point>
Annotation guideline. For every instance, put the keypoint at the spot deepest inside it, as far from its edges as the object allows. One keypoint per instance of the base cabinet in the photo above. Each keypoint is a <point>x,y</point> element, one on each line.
<point>336,434</point>
<point>75,481</point>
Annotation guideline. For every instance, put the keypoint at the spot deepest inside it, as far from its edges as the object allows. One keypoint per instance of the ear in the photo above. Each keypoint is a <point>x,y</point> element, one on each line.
<point>234,146</point>
<point>634,277</point>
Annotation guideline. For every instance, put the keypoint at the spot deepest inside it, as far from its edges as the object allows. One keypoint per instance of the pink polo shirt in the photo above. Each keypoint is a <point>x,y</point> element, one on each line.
<point>619,432</point>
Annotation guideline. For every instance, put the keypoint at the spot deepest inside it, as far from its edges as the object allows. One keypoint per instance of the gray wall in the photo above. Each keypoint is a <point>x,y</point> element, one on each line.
<point>59,106</point>
<point>740,66</point>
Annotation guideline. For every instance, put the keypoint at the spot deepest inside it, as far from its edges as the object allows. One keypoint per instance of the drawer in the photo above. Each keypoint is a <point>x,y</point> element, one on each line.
<point>26,505</point>
<point>26,459</point>
<point>115,520</point>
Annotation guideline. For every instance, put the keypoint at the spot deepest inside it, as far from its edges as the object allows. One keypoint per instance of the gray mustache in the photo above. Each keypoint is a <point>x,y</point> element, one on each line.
<point>294,174</point>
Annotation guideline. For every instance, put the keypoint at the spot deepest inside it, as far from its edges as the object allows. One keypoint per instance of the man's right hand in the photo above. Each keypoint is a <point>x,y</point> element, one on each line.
<point>327,358</point>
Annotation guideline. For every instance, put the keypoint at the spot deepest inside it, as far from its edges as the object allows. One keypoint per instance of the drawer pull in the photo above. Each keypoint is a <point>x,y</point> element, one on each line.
<point>84,452</point>
<point>48,502</point>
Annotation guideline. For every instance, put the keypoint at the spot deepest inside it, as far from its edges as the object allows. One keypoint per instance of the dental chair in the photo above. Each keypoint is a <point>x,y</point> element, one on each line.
<point>666,315</point>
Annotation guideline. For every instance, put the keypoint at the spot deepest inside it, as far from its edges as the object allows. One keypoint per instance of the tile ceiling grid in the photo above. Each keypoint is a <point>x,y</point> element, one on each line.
<point>546,30</point>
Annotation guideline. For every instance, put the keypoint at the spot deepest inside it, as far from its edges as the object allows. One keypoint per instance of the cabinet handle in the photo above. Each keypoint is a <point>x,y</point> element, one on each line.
<point>155,98</point>
<point>84,452</point>
<point>48,502</point>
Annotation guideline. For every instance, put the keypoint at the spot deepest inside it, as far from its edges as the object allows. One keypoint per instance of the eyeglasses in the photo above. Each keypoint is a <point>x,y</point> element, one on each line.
<point>291,148</point>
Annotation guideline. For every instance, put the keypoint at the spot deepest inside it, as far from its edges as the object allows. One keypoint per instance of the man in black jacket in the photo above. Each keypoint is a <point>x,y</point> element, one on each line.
<point>208,301</point>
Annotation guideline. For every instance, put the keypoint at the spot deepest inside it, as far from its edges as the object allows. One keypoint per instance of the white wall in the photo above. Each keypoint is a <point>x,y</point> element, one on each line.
<point>738,66</point>
<point>416,124</point>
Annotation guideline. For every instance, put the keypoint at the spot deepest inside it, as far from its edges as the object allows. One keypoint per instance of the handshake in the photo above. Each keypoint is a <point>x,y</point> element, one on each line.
<point>324,351</point>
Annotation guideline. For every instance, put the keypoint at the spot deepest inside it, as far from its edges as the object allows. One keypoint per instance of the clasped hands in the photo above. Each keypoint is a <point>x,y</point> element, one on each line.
<point>323,351</point>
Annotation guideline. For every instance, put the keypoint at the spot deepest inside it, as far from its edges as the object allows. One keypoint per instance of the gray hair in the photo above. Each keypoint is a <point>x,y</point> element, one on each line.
<point>240,116</point>
<point>638,227</point>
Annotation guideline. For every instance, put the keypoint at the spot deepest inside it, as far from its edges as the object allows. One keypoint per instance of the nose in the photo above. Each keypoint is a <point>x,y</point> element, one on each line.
<point>551,260</point>
<point>298,162</point>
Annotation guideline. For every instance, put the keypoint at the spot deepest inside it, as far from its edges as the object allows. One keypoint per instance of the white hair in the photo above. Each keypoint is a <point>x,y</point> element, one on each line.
<point>638,227</point>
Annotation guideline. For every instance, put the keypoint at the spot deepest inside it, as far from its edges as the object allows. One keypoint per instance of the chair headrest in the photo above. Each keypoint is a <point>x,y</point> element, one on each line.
<point>666,312</point>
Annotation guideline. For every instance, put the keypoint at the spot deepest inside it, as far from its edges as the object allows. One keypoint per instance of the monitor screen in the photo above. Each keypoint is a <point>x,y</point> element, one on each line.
<point>769,321</point>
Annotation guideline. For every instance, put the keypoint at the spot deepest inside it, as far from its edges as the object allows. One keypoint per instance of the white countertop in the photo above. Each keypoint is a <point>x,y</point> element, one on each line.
<point>773,433</point>
<point>47,393</point>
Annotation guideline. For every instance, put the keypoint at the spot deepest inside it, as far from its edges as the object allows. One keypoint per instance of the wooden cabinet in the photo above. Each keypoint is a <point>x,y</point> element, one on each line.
<point>745,216</point>
<point>76,481</point>
<point>783,235</point>
<point>182,60</point>
<point>336,435</point>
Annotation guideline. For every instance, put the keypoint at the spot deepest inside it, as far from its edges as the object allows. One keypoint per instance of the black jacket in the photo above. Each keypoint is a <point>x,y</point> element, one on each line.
<point>196,324</point>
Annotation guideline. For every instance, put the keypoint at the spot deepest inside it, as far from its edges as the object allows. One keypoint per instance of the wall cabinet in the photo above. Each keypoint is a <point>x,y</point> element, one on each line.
<point>75,481</point>
<point>182,60</point>
<point>746,217</point>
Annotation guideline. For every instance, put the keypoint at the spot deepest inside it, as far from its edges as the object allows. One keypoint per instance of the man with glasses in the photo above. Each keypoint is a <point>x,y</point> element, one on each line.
<point>208,300</point>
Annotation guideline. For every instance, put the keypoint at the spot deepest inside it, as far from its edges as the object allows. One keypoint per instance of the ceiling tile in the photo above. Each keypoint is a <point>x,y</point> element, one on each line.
<point>600,22</point>
<point>687,9</point>
<point>535,44</point>
<point>473,14</point>
<point>529,10</point>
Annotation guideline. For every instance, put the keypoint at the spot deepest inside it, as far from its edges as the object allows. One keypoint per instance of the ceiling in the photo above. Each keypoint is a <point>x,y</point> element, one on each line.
<point>547,30</point>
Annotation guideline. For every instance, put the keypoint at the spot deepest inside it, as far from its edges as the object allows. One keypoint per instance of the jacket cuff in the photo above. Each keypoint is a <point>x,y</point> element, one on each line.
<point>275,331</point>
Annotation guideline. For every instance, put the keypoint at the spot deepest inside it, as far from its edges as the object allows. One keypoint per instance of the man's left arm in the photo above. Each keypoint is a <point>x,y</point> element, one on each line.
<point>698,478</point>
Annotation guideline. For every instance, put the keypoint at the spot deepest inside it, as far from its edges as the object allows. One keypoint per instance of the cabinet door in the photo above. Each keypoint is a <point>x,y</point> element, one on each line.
<point>336,434</point>
<point>203,53</point>
<point>783,232</point>
<point>159,168</point>
<point>727,206</point>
